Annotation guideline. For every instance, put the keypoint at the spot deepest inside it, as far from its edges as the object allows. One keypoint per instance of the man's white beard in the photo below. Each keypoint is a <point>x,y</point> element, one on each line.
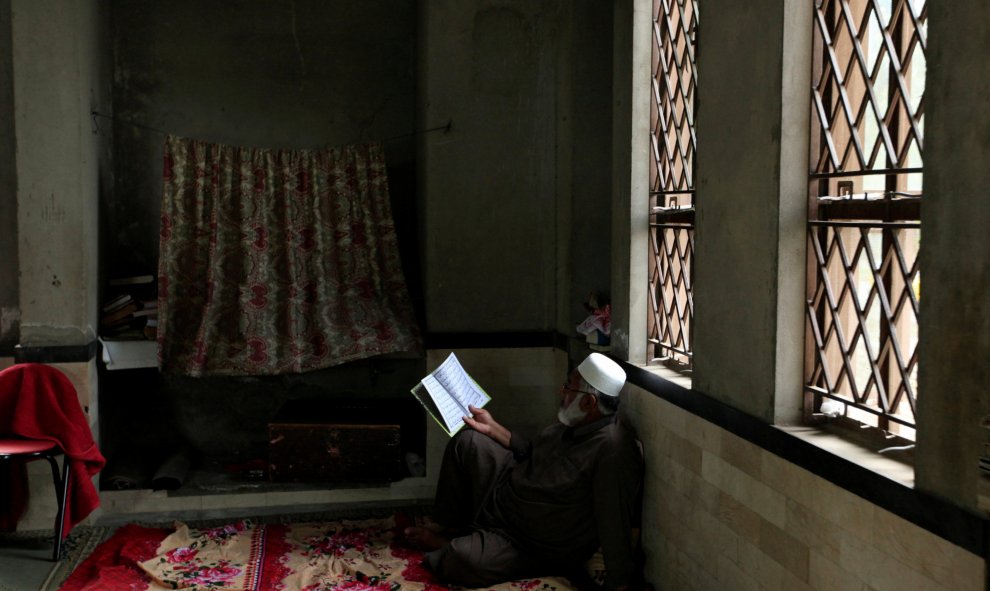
<point>572,414</point>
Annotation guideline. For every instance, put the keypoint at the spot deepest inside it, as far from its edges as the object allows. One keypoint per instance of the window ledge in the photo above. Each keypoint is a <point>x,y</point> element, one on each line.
<point>671,375</point>
<point>894,468</point>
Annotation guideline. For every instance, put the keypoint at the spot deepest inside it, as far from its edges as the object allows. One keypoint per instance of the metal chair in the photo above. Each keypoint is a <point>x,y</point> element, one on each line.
<point>21,449</point>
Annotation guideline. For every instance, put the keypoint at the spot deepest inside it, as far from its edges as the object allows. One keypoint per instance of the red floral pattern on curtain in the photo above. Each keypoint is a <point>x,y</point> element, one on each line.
<point>277,261</point>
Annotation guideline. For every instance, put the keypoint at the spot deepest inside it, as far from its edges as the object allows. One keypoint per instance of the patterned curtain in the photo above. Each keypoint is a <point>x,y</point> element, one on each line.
<point>277,261</point>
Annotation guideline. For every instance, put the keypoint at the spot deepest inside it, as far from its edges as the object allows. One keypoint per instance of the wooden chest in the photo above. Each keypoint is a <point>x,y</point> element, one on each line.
<point>336,441</point>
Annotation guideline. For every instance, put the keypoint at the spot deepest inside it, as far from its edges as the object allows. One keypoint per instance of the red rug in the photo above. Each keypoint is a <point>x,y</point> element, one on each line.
<point>344,555</point>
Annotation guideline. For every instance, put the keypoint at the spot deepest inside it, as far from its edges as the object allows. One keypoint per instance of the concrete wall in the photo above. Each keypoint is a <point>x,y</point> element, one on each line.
<point>9,308</point>
<point>587,64</point>
<point>489,196</point>
<point>512,203</point>
<point>509,216</point>
<point>514,211</point>
<point>287,74</point>
<point>508,221</point>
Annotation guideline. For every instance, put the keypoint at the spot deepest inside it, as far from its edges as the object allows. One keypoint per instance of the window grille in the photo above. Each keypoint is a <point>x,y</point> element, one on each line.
<point>672,197</point>
<point>864,210</point>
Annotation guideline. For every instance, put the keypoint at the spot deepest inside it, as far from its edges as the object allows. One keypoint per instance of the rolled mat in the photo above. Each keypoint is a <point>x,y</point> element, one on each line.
<point>127,472</point>
<point>172,473</point>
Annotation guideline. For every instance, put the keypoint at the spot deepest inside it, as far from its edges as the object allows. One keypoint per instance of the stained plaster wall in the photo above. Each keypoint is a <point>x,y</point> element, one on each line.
<point>585,160</point>
<point>289,74</point>
<point>512,202</point>
<point>9,308</point>
<point>514,198</point>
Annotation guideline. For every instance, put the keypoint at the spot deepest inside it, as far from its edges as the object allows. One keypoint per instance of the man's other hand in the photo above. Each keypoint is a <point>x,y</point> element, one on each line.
<point>482,421</point>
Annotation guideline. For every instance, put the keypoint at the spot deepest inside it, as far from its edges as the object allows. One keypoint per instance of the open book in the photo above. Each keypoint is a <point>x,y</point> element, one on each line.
<point>447,392</point>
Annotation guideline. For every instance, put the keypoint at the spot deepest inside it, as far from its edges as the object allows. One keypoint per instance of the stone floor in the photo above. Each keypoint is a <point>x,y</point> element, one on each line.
<point>25,561</point>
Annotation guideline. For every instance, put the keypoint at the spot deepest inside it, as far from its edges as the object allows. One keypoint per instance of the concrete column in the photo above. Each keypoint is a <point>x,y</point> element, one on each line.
<point>59,65</point>
<point>792,212</point>
<point>954,322</point>
<point>749,267</point>
<point>632,38</point>
<point>55,73</point>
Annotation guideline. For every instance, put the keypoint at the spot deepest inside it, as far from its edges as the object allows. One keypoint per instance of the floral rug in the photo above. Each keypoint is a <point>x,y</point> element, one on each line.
<point>345,555</point>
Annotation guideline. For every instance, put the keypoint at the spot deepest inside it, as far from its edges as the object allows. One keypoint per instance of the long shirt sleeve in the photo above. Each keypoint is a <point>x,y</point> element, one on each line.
<point>519,446</point>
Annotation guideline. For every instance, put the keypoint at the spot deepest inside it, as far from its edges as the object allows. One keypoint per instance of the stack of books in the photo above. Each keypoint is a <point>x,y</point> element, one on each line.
<point>131,310</point>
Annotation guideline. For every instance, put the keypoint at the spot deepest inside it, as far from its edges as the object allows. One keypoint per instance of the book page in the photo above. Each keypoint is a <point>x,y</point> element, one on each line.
<point>453,390</point>
<point>420,393</point>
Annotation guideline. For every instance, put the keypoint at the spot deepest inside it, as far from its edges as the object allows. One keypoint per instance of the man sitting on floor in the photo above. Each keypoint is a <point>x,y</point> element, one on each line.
<point>508,509</point>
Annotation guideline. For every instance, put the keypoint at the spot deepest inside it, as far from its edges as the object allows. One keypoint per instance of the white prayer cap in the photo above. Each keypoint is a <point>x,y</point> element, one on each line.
<point>602,374</point>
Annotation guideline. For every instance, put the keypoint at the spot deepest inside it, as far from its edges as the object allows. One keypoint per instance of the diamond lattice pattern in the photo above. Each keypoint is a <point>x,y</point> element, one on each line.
<point>869,93</point>
<point>672,142</point>
<point>675,80</point>
<point>864,318</point>
<point>672,248</point>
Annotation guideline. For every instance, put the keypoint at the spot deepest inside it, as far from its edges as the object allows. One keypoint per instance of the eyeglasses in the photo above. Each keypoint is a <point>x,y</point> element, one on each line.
<point>567,388</point>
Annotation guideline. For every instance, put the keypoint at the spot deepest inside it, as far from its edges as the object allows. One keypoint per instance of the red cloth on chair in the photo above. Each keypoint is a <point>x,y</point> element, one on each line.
<point>37,401</point>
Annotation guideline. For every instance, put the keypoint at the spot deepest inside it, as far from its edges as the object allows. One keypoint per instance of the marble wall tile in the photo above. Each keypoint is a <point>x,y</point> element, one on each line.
<point>752,493</point>
<point>794,482</point>
<point>747,519</point>
<point>930,555</point>
<point>731,576</point>
<point>826,575</point>
<point>788,551</point>
<point>820,534</point>
<point>742,454</point>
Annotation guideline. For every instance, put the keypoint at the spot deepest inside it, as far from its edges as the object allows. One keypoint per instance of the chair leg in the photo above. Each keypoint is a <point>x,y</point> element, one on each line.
<point>61,493</point>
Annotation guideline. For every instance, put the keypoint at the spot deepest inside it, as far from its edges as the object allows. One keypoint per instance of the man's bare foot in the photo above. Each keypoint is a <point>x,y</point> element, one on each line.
<point>422,538</point>
<point>427,523</point>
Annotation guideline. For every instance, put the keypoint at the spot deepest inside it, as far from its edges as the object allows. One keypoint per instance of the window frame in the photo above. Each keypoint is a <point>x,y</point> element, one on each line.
<point>672,198</point>
<point>844,199</point>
